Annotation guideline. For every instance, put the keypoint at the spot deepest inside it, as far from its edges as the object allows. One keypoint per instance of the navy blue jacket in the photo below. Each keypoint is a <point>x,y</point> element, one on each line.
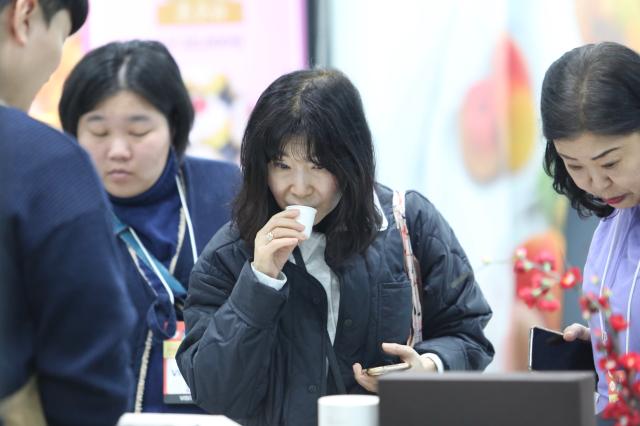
<point>210,188</point>
<point>257,354</point>
<point>65,315</point>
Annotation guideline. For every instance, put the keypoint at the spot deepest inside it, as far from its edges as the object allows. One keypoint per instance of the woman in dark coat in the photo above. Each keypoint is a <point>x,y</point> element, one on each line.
<point>276,319</point>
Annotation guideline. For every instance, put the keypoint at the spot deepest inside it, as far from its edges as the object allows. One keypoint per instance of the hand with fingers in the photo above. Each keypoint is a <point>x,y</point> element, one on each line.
<point>276,241</point>
<point>405,353</point>
<point>576,331</point>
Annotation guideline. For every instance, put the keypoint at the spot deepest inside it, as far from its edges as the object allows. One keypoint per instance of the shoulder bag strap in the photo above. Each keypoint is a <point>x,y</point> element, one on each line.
<point>401,223</point>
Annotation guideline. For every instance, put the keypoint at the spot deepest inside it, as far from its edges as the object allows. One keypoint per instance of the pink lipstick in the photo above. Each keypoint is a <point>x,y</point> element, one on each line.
<point>615,200</point>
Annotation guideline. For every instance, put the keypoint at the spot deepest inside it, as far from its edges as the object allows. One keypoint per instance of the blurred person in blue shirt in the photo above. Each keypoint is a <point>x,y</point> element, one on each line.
<point>65,313</point>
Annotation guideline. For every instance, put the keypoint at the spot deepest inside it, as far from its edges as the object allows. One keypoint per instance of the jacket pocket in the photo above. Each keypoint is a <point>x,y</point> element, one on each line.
<point>394,320</point>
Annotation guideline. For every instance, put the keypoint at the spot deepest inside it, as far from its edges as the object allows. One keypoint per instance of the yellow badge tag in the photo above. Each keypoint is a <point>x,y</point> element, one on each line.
<point>175,389</point>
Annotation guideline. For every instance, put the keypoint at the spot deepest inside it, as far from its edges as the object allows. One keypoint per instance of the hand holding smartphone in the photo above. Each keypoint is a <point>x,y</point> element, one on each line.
<point>548,351</point>
<point>379,371</point>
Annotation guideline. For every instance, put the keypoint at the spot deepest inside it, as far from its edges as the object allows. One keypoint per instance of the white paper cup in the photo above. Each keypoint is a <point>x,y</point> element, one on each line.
<point>348,410</point>
<point>306,217</point>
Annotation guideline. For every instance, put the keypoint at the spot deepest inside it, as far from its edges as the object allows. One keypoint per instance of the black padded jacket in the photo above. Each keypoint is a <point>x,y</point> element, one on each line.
<point>257,355</point>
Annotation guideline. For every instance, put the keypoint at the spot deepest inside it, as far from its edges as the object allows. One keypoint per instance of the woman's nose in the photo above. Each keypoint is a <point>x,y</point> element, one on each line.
<point>119,149</point>
<point>599,182</point>
<point>301,186</point>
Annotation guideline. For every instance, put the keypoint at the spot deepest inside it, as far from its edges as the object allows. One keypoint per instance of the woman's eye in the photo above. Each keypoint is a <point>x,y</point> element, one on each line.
<point>318,166</point>
<point>140,134</point>
<point>99,134</point>
<point>574,167</point>
<point>610,165</point>
<point>280,165</point>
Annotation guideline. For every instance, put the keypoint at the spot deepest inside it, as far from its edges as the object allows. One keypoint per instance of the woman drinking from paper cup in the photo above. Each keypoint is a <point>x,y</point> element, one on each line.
<point>277,318</point>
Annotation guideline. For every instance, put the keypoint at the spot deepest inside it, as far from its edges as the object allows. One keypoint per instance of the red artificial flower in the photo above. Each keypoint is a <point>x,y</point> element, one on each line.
<point>549,305</point>
<point>591,296</point>
<point>603,346</point>
<point>521,253</point>
<point>622,412</point>
<point>545,258</point>
<point>588,305</point>
<point>618,322</point>
<point>519,266</point>
<point>629,418</point>
<point>536,279</point>
<point>604,302</point>
<point>608,363</point>
<point>525,294</point>
<point>571,278</point>
<point>535,292</point>
<point>615,410</point>
<point>630,361</point>
<point>584,303</point>
<point>609,411</point>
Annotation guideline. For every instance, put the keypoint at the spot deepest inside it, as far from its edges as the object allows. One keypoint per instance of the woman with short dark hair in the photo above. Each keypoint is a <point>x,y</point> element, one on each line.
<point>130,110</point>
<point>591,119</point>
<point>277,318</point>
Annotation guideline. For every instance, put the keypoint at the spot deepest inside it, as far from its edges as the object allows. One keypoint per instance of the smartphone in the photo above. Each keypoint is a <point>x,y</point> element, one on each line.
<point>549,351</point>
<point>379,371</point>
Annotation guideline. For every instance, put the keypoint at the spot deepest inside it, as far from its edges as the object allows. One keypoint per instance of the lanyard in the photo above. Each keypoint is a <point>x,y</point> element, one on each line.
<point>611,380</point>
<point>192,235</point>
<point>630,297</point>
<point>128,235</point>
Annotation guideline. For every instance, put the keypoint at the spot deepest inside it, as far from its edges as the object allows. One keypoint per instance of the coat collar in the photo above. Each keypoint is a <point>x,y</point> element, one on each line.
<point>385,222</point>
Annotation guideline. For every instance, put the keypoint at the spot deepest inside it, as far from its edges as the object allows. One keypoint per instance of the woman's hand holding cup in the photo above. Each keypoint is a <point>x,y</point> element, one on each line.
<point>277,239</point>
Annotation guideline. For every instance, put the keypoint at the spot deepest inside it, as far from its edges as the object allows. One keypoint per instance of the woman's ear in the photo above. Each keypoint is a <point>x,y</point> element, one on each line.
<point>20,19</point>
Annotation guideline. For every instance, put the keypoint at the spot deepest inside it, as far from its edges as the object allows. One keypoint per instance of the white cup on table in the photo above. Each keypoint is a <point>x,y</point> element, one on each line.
<point>348,410</point>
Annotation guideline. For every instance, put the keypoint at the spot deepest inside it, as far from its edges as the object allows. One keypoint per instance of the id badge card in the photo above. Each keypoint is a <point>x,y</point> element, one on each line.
<point>175,389</point>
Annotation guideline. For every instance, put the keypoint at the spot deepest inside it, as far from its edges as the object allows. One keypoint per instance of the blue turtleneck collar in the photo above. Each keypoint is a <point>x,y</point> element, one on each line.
<point>163,187</point>
<point>155,214</point>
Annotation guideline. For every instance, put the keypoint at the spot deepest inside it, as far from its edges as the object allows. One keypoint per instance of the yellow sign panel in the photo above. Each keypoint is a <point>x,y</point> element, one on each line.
<point>180,12</point>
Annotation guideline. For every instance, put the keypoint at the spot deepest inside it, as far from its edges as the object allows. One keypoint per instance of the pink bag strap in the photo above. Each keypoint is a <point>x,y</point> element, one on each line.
<point>401,222</point>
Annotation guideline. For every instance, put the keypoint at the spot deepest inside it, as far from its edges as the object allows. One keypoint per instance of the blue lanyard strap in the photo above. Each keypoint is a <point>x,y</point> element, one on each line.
<point>124,232</point>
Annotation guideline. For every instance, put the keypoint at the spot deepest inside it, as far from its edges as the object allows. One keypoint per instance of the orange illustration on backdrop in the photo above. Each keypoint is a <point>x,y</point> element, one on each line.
<point>497,118</point>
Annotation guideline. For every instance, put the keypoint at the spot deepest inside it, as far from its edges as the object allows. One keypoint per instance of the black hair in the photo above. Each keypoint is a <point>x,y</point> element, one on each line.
<point>145,68</point>
<point>590,89</point>
<point>78,10</point>
<point>320,112</point>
